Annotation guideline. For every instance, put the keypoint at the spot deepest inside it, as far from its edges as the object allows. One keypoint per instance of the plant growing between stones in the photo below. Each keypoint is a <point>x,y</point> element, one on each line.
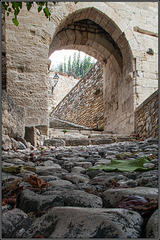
<point>97,91</point>
<point>150,51</point>
<point>102,127</point>
<point>64,131</point>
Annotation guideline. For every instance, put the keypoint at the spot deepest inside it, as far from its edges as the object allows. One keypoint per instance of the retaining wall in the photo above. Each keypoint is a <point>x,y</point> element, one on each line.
<point>146,117</point>
<point>84,103</point>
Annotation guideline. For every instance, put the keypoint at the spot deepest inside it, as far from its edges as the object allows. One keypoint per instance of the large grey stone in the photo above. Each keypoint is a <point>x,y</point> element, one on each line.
<point>77,178</point>
<point>6,142</point>
<point>59,183</point>
<point>77,142</point>
<point>152,226</point>
<point>78,170</point>
<point>33,202</point>
<point>50,170</point>
<point>148,179</point>
<point>12,221</point>
<point>77,198</point>
<point>17,144</point>
<point>112,196</point>
<point>27,144</point>
<point>54,142</point>
<point>84,164</point>
<point>73,222</point>
<point>106,178</point>
<point>101,140</point>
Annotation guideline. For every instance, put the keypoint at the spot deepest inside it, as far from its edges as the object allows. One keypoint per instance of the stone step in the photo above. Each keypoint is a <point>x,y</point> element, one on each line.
<point>65,133</point>
<point>74,138</point>
<point>61,124</point>
<point>71,134</point>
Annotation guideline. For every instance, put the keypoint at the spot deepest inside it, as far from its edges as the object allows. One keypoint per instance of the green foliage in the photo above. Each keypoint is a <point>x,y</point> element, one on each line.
<point>64,131</point>
<point>102,127</point>
<point>150,51</point>
<point>97,91</point>
<point>14,7</point>
<point>77,67</point>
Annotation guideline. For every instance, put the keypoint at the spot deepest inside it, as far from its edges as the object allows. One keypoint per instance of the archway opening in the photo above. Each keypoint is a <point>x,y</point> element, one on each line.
<point>66,69</point>
<point>96,34</point>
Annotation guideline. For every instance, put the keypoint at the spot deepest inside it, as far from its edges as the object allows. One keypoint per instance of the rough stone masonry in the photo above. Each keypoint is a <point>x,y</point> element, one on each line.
<point>121,35</point>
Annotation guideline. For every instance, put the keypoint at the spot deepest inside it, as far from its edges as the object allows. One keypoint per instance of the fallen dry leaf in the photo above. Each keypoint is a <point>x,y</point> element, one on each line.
<point>11,201</point>
<point>4,201</point>
<point>144,206</point>
<point>36,182</point>
<point>17,190</point>
<point>12,186</point>
<point>11,192</point>
<point>38,236</point>
<point>152,156</point>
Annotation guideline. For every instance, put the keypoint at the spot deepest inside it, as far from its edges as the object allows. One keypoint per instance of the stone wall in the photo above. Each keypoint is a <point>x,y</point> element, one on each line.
<point>27,65</point>
<point>147,117</point>
<point>3,51</point>
<point>84,103</point>
<point>61,87</point>
<point>13,121</point>
<point>123,31</point>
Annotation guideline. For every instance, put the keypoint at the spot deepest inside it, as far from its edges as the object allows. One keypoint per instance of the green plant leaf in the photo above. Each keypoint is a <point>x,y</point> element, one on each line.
<point>20,4</point>
<point>5,5</point>
<point>7,13</point>
<point>15,21</point>
<point>129,165</point>
<point>16,11</point>
<point>46,11</point>
<point>29,5</point>
<point>39,8</point>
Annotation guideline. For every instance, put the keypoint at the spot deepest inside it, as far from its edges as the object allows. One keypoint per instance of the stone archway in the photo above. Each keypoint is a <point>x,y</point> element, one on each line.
<point>96,34</point>
<point>124,55</point>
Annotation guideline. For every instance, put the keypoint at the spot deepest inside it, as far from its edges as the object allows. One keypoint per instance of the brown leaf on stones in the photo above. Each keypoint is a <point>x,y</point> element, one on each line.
<point>152,156</point>
<point>31,215</point>
<point>17,190</point>
<point>142,205</point>
<point>90,190</point>
<point>10,200</point>
<point>147,208</point>
<point>10,192</point>
<point>4,201</point>
<point>36,182</point>
<point>12,186</point>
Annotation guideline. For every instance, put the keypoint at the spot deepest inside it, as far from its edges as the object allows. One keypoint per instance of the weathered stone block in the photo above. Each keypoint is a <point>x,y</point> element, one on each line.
<point>101,140</point>
<point>12,117</point>
<point>30,135</point>
<point>75,222</point>
<point>77,142</point>
<point>54,142</point>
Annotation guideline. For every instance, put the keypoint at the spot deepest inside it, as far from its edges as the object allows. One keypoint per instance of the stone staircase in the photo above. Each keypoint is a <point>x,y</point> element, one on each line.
<point>63,133</point>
